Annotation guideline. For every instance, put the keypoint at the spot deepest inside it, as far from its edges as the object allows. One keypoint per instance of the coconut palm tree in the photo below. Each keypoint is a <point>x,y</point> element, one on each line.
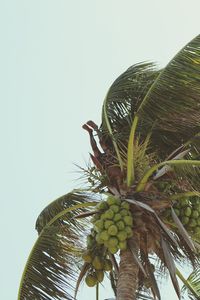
<point>140,211</point>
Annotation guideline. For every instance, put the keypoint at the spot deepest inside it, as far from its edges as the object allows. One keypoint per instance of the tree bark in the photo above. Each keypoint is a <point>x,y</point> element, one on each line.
<point>127,283</point>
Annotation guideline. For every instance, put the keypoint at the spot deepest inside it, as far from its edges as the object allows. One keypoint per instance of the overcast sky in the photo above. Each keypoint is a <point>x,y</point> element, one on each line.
<point>58,59</point>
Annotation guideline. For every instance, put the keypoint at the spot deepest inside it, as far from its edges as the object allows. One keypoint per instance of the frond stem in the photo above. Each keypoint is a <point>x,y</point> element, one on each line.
<point>130,153</point>
<point>111,134</point>
<point>187,283</point>
<point>143,181</point>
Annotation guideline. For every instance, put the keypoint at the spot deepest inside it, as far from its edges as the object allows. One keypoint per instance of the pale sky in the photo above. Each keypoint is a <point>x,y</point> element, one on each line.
<point>58,59</point>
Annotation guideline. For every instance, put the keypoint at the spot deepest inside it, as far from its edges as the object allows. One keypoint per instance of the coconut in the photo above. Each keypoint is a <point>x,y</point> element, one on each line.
<point>184,202</point>
<point>187,211</point>
<point>97,263</point>
<point>99,275</point>
<point>192,223</point>
<point>87,256</point>
<point>91,280</point>
<point>117,217</point>
<point>195,214</point>
<point>111,200</point>
<point>128,220</point>
<point>120,225</point>
<point>108,223</point>
<point>109,214</point>
<point>99,225</point>
<point>90,241</point>
<point>102,205</point>
<point>129,231</point>
<point>104,236</point>
<point>112,230</point>
<point>99,239</point>
<point>185,220</point>
<point>114,208</point>
<point>125,205</point>
<point>122,235</point>
<point>113,241</point>
<point>197,229</point>
<point>113,249</point>
<point>124,212</point>
<point>107,265</point>
<point>122,245</point>
<point>177,211</point>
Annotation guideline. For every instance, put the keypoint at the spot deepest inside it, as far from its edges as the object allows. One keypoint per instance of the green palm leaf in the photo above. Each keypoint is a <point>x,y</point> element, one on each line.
<point>53,264</point>
<point>191,284</point>
<point>172,104</point>
<point>62,203</point>
<point>123,99</point>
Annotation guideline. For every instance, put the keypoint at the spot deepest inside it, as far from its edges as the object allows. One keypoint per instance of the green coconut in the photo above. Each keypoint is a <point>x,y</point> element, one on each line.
<point>99,225</point>
<point>90,241</point>
<point>91,280</point>
<point>122,235</point>
<point>97,263</point>
<point>114,208</point>
<point>128,220</point>
<point>195,214</point>
<point>113,249</point>
<point>99,239</point>
<point>192,223</point>
<point>124,212</point>
<point>187,211</point>
<point>185,220</point>
<point>120,225</point>
<point>87,256</point>
<point>112,230</point>
<point>99,275</point>
<point>113,241</point>
<point>122,245</point>
<point>184,202</point>
<point>197,229</point>
<point>108,223</point>
<point>102,205</point>
<point>117,217</point>
<point>107,265</point>
<point>109,214</point>
<point>95,218</point>
<point>104,236</point>
<point>111,200</point>
<point>129,231</point>
<point>125,205</point>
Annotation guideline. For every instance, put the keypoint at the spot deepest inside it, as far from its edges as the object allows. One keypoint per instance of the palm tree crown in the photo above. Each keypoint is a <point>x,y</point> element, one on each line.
<point>140,211</point>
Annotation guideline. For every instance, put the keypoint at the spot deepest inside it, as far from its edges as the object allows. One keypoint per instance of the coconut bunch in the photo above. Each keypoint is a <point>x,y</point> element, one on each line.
<point>97,264</point>
<point>112,224</point>
<point>188,211</point>
<point>112,227</point>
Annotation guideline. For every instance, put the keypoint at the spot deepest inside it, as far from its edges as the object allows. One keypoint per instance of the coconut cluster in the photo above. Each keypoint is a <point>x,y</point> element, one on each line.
<point>113,224</point>
<point>188,211</point>
<point>98,266</point>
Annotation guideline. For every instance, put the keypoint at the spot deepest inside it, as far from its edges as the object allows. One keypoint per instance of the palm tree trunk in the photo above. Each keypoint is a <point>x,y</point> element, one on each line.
<point>128,277</point>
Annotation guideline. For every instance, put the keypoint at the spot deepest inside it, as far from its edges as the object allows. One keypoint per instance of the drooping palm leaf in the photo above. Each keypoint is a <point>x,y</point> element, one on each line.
<point>123,100</point>
<point>62,203</point>
<point>191,284</point>
<point>53,264</point>
<point>172,104</point>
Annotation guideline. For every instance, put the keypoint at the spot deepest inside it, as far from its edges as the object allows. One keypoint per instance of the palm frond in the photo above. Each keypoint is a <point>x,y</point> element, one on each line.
<point>62,203</point>
<point>191,284</point>
<point>172,104</point>
<point>53,264</point>
<point>123,100</point>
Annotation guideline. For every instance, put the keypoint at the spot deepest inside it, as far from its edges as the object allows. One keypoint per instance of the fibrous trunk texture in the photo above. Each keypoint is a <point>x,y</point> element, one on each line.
<point>128,277</point>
